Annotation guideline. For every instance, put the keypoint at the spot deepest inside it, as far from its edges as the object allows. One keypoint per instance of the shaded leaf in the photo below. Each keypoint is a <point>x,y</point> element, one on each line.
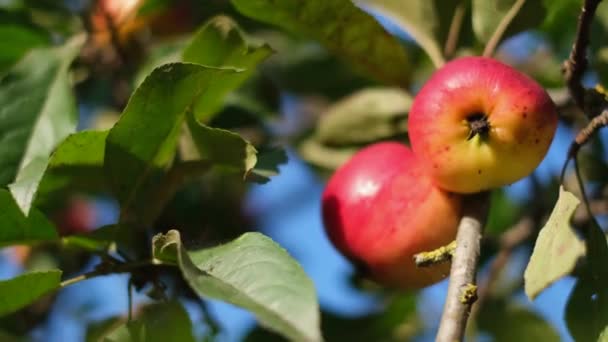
<point>76,163</point>
<point>37,111</point>
<point>557,247</point>
<point>587,307</point>
<point>342,28</point>
<point>252,272</point>
<point>16,228</point>
<point>17,40</point>
<point>365,116</point>
<point>487,15</point>
<point>506,321</point>
<point>421,19</point>
<point>220,43</point>
<point>221,147</point>
<point>267,165</point>
<point>144,139</point>
<point>26,288</point>
<point>158,322</point>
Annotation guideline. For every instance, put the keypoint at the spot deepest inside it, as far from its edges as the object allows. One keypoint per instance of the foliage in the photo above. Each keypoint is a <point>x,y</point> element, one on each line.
<point>174,108</point>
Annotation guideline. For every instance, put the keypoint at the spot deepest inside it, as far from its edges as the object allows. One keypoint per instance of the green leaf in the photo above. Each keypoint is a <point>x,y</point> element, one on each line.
<point>16,228</point>
<point>603,336</point>
<point>365,116</point>
<point>220,43</point>
<point>343,29</point>
<point>17,40</point>
<point>422,19</point>
<point>37,111</point>
<point>267,165</point>
<point>223,148</point>
<point>158,322</point>
<point>76,163</point>
<point>96,240</point>
<point>557,247</point>
<point>506,321</point>
<point>26,288</point>
<point>487,15</point>
<point>144,139</point>
<point>587,307</point>
<point>252,272</point>
<point>324,156</point>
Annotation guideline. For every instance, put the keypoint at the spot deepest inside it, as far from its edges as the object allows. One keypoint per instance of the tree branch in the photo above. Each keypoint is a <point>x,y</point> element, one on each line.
<point>462,289</point>
<point>576,64</point>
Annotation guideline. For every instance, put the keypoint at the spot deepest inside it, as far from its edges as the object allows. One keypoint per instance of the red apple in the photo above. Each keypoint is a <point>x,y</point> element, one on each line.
<point>77,216</point>
<point>380,208</point>
<point>479,124</point>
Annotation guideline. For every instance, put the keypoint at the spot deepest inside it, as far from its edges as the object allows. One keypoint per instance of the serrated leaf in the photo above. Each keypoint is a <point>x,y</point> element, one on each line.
<point>419,18</point>
<point>144,140</point>
<point>340,27</point>
<point>252,272</point>
<point>505,322</point>
<point>365,116</point>
<point>158,322</point>
<point>76,163</point>
<point>487,15</point>
<point>221,147</point>
<point>26,288</point>
<point>557,247</point>
<point>16,228</point>
<point>220,43</point>
<point>37,111</point>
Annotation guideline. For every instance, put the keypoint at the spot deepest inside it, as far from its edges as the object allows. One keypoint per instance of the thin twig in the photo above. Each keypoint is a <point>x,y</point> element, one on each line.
<point>103,271</point>
<point>583,137</point>
<point>461,290</point>
<point>439,255</point>
<point>576,64</point>
<point>454,33</point>
<point>502,28</point>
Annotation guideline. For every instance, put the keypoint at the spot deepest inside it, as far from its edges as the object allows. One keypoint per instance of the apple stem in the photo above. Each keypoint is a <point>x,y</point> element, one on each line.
<point>462,289</point>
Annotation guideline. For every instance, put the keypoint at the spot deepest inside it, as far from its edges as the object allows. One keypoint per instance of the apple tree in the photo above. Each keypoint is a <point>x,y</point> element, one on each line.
<point>133,134</point>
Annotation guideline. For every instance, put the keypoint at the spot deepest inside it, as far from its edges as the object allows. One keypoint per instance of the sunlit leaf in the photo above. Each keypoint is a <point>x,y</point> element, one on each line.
<point>37,111</point>
<point>144,140</point>
<point>365,116</point>
<point>557,248</point>
<point>252,272</point>
<point>16,228</point>
<point>342,28</point>
<point>220,43</point>
<point>26,288</point>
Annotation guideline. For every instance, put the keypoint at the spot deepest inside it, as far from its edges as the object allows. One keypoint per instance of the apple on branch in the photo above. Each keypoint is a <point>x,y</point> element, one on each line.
<point>479,124</point>
<point>381,208</point>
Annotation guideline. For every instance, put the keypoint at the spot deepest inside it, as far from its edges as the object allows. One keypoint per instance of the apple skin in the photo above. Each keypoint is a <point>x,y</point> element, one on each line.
<point>522,122</point>
<point>380,208</point>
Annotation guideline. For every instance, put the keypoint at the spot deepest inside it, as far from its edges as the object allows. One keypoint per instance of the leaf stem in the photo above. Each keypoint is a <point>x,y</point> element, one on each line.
<point>502,28</point>
<point>105,269</point>
<point>454,33</point>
